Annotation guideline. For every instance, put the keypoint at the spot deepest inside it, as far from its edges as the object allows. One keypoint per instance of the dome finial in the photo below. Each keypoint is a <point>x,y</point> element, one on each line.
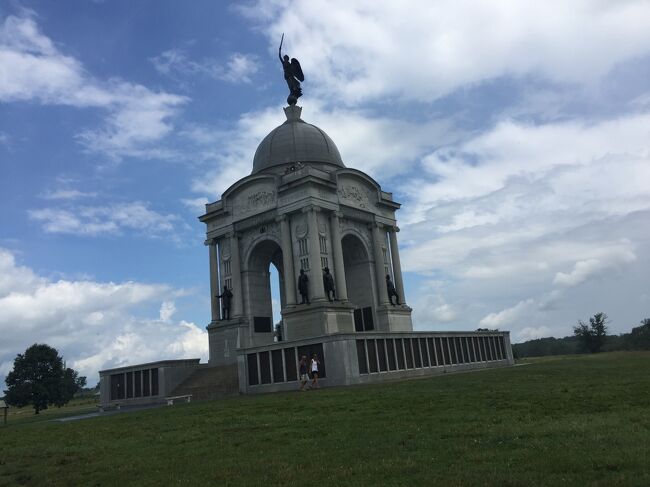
<point>293,113</point>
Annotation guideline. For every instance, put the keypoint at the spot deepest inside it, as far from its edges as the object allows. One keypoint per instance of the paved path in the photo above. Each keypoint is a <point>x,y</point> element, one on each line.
<point>106,413</point>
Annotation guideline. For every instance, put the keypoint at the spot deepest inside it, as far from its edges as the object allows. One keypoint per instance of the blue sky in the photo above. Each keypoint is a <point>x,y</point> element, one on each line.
<point>516,135</point>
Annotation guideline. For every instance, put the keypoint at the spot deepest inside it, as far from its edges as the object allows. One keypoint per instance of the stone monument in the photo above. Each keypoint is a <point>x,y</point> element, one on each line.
<point>331,233</point>
<point>301,208</point>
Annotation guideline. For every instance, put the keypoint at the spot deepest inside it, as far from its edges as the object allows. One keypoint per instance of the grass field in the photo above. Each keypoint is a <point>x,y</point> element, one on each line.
<point>577,420</point>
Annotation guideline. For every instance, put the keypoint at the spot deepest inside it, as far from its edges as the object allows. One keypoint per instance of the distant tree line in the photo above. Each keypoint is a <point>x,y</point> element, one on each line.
<point>589,337</point>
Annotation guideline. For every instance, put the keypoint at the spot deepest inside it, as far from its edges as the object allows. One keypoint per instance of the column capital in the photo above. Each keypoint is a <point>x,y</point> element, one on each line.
<point>233,234</point>
<point>337,213</point>
<point>281,218</point>
<point>393,228</point>
<point>313,208</point>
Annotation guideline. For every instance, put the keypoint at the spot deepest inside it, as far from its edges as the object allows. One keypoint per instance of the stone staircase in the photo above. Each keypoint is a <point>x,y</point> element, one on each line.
<point>210,383</point>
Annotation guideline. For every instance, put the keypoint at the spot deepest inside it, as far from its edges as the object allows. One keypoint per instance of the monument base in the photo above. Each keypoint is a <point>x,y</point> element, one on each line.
<point>225,337</point>
<point>318,318</point>
<point>394,318</point>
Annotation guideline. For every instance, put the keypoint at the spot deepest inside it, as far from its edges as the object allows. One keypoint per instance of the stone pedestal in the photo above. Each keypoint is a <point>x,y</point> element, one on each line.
<point>225,337</point>
<point>394,318</point>
<point>317,319</point>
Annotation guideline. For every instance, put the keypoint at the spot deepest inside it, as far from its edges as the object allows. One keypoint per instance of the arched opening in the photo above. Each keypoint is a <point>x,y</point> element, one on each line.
<point>359,282</point>
<point>264,264</point>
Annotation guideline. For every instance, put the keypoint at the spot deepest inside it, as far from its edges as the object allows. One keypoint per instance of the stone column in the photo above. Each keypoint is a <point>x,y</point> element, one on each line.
<point>379,238</point>
<point>337,256</point>
<point>214,280</point>
<point>397,267</point>
<point>287,261</point>
<point>235,268</point>
<point>316,275</point>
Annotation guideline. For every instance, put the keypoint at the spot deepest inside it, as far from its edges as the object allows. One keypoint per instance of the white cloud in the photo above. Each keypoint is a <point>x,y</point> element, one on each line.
<point>68,194</point>
<point>197,205</point>
<point>526,189</point>
<point>108,219</point>
<point>239,68</point>
<point>94,325</point>
<point>373,49</point>
<point>443,313</point>
<point>167,310</point>
<point>430,308</point>
<point>32,68</point>
<point>509,316</point>
<point>177,64</point>
<point>585,269</point>
<point>192,342</point>
<point>532,333</point>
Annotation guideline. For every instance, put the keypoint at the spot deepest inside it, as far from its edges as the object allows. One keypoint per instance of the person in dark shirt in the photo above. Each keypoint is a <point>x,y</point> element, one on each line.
<point>304,376</point>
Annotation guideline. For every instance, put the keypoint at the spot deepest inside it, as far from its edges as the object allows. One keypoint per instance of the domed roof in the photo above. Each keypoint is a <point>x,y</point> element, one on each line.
<point>295,141</point>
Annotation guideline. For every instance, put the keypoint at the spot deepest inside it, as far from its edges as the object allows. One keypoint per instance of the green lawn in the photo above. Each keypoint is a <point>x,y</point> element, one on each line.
<point>79,405</point>
<point>576,420</point>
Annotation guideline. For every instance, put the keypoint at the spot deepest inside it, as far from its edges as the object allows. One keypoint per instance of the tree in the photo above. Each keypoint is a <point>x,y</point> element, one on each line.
<point>40,378</point>
<point>593,335</point>
<point>639,337</point>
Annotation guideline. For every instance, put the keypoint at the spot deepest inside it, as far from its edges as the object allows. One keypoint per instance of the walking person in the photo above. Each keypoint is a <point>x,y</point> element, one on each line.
<point>304,377</point>
<point>314,371</point>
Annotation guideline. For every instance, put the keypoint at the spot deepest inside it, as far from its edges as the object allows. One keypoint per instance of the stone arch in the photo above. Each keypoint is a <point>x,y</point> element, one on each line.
<point>359,279</point>
<point>263,252</point>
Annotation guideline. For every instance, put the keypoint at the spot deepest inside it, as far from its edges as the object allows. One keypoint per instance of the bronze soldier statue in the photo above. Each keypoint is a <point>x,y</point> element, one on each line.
<point>226,300</point>
<point>328,284</point>
<point>303,287</point>
<point>390,287</point>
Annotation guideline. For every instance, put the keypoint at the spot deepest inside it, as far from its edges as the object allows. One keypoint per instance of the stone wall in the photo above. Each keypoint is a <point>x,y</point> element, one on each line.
<point>371,357</point>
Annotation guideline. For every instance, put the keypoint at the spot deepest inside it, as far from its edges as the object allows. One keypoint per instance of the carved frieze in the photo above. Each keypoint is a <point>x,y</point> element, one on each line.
<point>322,225</point>
<point>260,199</point>
<point>224,245</point>
<point>300,228</point>
<point>354,195</point>
<point>256,199</point>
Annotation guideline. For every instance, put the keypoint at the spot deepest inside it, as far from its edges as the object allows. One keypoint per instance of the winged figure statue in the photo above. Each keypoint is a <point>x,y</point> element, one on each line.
<point>292,74</point>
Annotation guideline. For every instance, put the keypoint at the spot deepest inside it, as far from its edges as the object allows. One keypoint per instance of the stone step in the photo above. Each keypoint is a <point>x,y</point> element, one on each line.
<point>210,383</point>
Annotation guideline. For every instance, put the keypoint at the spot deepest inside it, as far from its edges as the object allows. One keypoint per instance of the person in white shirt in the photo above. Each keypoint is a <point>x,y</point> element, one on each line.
<point>314,370</point>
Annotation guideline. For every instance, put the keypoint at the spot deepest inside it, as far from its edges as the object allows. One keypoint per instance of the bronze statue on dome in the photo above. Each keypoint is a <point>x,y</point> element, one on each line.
<point>292,75</point>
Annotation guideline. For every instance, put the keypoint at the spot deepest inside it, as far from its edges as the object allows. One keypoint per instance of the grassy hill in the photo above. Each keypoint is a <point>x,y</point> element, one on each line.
<point>578,420</point>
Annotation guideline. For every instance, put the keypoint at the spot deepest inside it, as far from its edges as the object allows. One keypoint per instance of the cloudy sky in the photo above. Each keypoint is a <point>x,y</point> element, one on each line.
<point>515,134</point>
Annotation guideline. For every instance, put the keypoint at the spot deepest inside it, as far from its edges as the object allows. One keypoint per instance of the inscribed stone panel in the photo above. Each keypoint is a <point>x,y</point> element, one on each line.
<point>372,356</point>
<point>254,198</point>
<point>399,347</point>
<point>390,351</point>
<point>290,364</point>
<point>381,355</point>
<point>361,357</point>
<point>265,368</point>
<point>278,368</point>
<point>253,379</point>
